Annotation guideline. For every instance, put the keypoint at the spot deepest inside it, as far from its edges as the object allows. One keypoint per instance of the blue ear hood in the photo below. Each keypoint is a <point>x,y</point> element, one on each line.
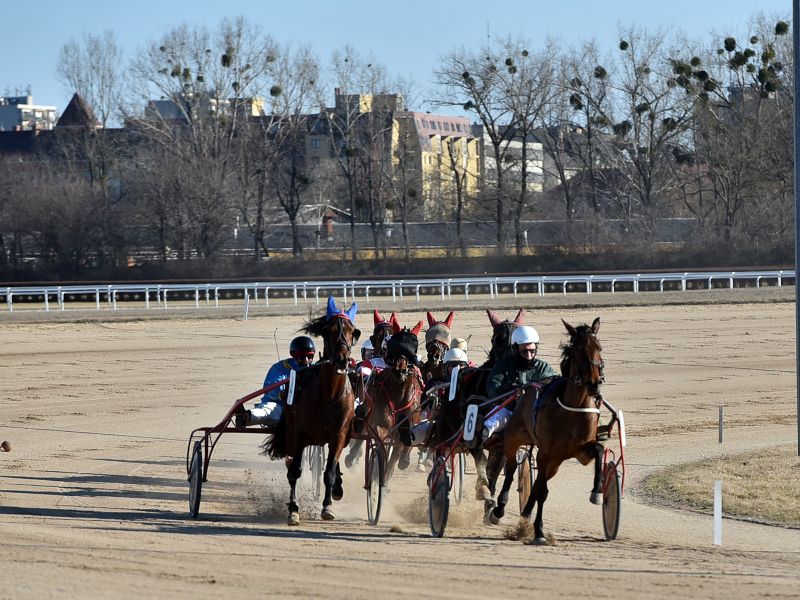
<point>351,312</point>
<point>332,311</point>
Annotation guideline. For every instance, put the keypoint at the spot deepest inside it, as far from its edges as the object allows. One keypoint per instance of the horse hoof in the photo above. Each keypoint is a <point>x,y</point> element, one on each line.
<point>596,497</point>
<point>493,518</point>
<point>483,493</point>
<point>293,520</point>
<point>403,463</point>
<point>337,493</point>
<point>538,541</point>
<point>327,514</point>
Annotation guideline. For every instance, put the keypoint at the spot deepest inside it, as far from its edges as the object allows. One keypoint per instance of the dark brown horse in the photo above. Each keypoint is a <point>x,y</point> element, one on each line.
<point>393,396</point>
<point>471,386</point>
<point>562,425</point>
<point>322,408</point>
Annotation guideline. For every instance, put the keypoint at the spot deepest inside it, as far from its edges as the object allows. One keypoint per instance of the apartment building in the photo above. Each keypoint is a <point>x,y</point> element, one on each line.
<point>19,113</point>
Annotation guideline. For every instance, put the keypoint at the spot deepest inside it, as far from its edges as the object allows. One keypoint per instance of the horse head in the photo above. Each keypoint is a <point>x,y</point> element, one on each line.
<point>437,339</point>
<point>582,361</point>
<point>401,351</point>
<point>501,333</point>
<point>382,329</point>
<point>338,331</point>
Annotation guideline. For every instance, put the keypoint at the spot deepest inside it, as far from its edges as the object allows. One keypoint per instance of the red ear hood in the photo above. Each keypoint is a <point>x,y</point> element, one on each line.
<point>520,318</point>
<point>448,321</point>
<point>493,318</point>
<point>377,318</point>
<point>417,328</point>
<point>394,323</point>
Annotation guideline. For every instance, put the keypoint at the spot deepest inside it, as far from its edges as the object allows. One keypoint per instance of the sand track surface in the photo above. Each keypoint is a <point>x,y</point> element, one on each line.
<point>94,498</point>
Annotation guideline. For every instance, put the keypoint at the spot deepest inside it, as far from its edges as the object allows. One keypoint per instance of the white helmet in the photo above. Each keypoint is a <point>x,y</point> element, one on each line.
<point>455,355</point>
<point>525,334</point>
<point>367,345</point>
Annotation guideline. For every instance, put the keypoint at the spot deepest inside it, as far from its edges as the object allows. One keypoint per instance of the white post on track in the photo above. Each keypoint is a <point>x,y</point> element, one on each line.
<point>718,513</point>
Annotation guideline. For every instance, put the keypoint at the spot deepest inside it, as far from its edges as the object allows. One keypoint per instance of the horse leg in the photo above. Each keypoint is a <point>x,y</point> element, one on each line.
<point>502,499</point>
<point>394,456</point>
<point>596,497</point>
<point>330,479</point>
<point>482,491</point>
<point>546,470</point>
<point>354,454</point>
<point>494,464</point>
<point>293,472</point>
<point>337,493</point>
<point>405,458</point>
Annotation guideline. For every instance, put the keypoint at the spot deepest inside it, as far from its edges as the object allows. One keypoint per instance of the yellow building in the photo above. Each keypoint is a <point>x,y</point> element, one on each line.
<point>443,157</point>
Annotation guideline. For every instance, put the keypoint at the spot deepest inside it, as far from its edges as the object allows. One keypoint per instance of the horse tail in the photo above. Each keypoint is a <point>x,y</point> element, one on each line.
<point>274,445</point>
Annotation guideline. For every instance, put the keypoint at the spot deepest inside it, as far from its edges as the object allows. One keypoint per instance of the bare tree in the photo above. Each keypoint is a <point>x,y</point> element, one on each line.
<point>472,80</point>
<point>210,85</point>
<point>360,129</point>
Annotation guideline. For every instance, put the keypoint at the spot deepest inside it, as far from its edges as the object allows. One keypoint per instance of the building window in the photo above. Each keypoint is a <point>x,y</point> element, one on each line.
<point>315,142</point>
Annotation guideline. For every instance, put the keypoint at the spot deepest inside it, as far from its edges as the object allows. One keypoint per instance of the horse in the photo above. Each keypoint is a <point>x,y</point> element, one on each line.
<point>322,408</point>
<point>393,397</point>
<point>382,329</point>
<point>562,423</point>
<point>437,342</point>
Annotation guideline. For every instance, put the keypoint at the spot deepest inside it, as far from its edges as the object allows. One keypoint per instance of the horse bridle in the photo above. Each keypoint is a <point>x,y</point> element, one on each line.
<point>341,340</point>
<point>600,364</point>
<point>436,356</point>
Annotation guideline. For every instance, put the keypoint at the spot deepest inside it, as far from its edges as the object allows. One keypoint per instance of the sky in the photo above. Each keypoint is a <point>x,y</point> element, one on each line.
<point>408,37</point>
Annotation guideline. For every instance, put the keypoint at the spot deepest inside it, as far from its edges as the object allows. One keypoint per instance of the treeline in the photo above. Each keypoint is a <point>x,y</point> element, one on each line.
<point>659,127</point>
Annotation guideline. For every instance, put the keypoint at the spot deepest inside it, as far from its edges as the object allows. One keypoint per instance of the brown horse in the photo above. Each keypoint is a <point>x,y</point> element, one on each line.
<point>562,425</point>
<point>437,342</point>
<point>393,396</point>
<point>322,408</point>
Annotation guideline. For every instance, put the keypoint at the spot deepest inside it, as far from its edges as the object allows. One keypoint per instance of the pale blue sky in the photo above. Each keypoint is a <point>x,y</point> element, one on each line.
<point>408,38</point>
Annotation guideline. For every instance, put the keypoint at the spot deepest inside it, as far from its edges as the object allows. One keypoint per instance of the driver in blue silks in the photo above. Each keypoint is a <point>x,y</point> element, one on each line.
<point>270,409</point>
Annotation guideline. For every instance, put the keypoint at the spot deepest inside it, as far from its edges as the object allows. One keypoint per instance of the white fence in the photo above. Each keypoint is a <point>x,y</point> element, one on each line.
<point>149,295</point>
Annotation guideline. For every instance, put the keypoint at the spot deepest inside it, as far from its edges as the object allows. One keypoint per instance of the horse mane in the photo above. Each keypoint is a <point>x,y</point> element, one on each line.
<point>315,325</point>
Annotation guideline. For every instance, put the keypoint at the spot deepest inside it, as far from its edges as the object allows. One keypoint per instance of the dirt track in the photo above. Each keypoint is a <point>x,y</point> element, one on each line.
<point>93,496</point>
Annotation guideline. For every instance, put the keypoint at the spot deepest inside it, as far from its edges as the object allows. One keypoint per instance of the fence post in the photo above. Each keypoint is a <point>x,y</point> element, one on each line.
<point>9,300</point>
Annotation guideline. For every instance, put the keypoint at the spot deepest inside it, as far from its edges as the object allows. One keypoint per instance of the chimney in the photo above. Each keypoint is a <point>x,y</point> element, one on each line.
<point>337,91</point>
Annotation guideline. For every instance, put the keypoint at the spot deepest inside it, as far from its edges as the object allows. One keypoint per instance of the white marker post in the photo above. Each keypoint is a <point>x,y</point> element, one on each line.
<point>718,513</point>
<point>721,416</point>
<point>246,303</point>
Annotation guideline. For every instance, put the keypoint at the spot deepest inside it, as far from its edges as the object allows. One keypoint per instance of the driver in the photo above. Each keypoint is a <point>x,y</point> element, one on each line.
<point>517,368</point>
<point>270,409</point>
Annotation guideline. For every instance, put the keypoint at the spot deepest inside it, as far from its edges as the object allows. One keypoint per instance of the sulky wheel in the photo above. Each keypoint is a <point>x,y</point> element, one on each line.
<point>459,470</point>
<point>316,468</point>
<point>375,470</point>
<point>195,479</point>
<point>612,500</point>
<point>438,499</point>
<point>526,473</point>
